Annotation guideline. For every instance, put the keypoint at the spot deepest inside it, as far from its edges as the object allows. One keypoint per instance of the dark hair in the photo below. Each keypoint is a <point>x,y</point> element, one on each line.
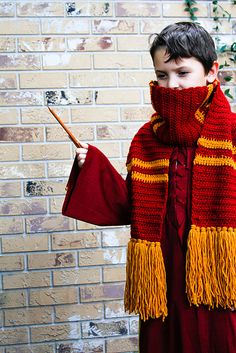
<point>185,40</point>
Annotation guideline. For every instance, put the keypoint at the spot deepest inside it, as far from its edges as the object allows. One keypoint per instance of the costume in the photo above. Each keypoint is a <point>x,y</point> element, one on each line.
<point>199,120</point>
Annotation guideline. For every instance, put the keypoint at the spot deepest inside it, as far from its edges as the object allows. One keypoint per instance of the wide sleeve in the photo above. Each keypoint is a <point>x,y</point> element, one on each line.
<point>96,193</point>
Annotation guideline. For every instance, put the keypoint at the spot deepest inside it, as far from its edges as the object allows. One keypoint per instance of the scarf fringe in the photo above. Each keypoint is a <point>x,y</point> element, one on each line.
<point>211,267</point>
<point>145,291</point>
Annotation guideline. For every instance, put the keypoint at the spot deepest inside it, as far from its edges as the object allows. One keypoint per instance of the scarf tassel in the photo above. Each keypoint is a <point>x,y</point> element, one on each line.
<point>211,267</point>
<point>145,292</point>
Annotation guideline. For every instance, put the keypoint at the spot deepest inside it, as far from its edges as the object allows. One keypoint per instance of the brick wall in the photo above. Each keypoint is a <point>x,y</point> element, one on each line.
<point>62,281</point>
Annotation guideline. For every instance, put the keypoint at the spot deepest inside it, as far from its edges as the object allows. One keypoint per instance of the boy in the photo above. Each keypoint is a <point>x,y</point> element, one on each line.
<point>180,199</point>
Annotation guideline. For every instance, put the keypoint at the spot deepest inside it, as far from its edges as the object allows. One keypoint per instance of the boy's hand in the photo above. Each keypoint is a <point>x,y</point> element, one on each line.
<point>81,154</point>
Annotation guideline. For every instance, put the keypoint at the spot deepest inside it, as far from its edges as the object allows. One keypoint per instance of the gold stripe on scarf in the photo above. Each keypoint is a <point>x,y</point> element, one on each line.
<point>215,161</point>
<point>158,163</point>
<point>213,143</point>
<point>147,178</point>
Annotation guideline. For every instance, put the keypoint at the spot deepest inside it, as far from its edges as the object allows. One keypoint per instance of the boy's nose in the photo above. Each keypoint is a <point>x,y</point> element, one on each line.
<point>173,82</point>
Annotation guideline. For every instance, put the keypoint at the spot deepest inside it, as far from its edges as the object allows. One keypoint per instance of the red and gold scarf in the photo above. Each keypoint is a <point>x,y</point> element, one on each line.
<point>194,116</point>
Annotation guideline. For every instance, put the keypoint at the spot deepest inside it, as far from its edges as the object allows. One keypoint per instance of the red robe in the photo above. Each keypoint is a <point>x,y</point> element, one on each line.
<point>97,194</point>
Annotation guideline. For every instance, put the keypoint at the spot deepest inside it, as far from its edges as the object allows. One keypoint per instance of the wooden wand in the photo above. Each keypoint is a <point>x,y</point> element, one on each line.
<point>69,133</point>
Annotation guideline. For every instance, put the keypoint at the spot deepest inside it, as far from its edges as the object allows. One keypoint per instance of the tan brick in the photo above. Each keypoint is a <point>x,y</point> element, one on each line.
<point>101,292</point>
<point>177,10</point>
<point>9,153</point>
<point>39,348</point>
<point>28,316</point>
<point>25,243</point>
<point>116,131</point>
<point>44,188</point>
<point>11,225</point>
<point>20,98</point>
<point>137,44</point>
<point>51,260</point>
<point>55,332</point>
<point>115,26</point>
<point>7,9</point>
<point>42,44</point>
<point>9,116</point>
<point>11,263</point>
<point>13,336</point>
<point>8,81</point>
<point>18,171</point>
<point>42,115</point>
<point>110,149</point>
<point>91,79</point>
<point>46,152</point>
<point>94,114</point>
<point>135,78</point>
<point>116,61</point>
<point>74,96</point>
<point>10,189</point>
<point>23,207</point>
<point>43,80</point>
<point>80,276</point>
<point>48,224</point>
<point>124,9</point>
<point>120,166</point>
<point>230,8</point>
<point>134,326</point>
<point>85,346</point>
<point>114,309</point>
<point>115,237</point>
<point>41,7</point>
<point>78,312</point>
<point>125,148</point>
<point>104,328</point>
<point>102,257</point>
<point>65,61</point>
<point>66,295</point>
<point>21,134</point>
<point>122,345</point>
<point>147,62</point>
<point>75,241</point>
<point>65,26</point>
<point>114,274</point>
<point>19,26</point>
<point>92,44</point>
<point>146,96</point>
<point>13,299</point>
<point>82,8</point>
<point>86,226</point>
<point>141,113</point>
<point>118,96</point>
<point>7,44</point>
<point>26,280</point>
<point>55,204</point>
<point>57,170</point>
<point>210,26</point>
<point>150,26</point>
<point>56,133</point>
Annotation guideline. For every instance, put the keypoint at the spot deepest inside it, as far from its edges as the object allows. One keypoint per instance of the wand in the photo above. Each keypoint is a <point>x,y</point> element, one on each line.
<point>69,133</point>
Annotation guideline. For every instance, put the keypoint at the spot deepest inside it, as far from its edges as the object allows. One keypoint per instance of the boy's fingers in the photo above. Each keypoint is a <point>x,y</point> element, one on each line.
<point>81,162</point>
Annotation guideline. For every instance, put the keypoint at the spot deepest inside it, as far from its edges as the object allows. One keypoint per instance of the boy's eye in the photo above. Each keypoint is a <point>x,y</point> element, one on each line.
<point>183,73</point>
<point>161,76</point>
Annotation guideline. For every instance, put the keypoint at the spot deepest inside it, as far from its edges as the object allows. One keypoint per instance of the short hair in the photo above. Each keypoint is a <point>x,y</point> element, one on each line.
<point>185,40</point>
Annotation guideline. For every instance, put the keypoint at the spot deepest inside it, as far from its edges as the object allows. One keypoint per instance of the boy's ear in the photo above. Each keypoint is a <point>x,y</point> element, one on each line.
<point>212,74</point>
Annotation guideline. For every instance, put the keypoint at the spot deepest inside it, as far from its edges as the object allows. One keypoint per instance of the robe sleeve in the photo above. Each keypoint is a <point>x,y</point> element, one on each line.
<point>96,193</point>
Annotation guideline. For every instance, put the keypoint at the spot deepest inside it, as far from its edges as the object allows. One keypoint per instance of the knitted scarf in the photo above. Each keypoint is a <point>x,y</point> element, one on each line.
<point>194,116</point>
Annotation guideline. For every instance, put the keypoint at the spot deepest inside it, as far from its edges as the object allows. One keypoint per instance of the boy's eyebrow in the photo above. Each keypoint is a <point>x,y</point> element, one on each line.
<point>177,69</point>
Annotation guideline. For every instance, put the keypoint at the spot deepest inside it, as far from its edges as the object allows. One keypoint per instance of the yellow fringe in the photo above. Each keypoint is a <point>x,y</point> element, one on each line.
<point>211,267</point>
<point>145,291</point>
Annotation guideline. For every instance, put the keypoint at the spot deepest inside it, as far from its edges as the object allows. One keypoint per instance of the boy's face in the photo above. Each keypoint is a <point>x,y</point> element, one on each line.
<point>185,73</point>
